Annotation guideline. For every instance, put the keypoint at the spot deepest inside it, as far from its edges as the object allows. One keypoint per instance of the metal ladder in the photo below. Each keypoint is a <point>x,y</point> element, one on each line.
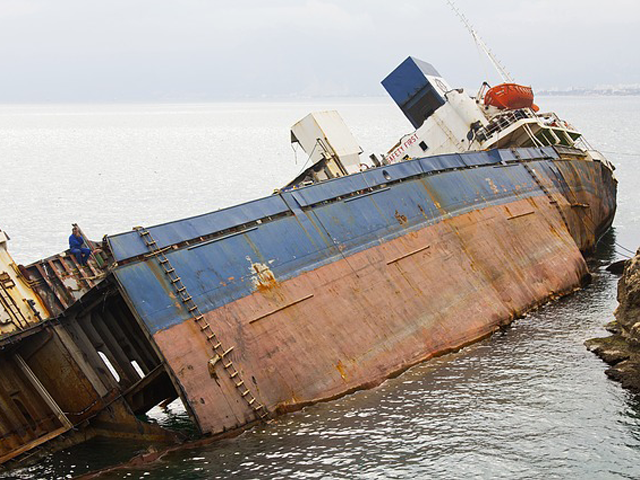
<point>192,309</point>
<point>13,311</point>
<point>546,191</point>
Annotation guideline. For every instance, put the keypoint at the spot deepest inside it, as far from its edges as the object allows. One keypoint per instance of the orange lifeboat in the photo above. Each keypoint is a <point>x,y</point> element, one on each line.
<point>511,96</point>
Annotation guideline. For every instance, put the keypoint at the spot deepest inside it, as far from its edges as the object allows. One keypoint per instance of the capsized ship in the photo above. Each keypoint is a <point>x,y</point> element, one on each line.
<point>356,270</point>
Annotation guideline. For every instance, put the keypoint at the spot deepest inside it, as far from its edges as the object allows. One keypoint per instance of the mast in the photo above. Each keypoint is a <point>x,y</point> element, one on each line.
<point>502,71</point>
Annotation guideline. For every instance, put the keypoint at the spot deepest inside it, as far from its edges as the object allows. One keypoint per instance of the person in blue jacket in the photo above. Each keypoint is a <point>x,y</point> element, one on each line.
<point>78,247</point>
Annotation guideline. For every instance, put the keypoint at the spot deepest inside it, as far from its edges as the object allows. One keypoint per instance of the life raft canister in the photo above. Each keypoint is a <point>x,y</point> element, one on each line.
<point>511,96</point>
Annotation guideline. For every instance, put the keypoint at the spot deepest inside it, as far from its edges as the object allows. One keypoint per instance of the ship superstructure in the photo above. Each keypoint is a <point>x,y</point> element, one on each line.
<point>445,119</point>
<point>449,120</point>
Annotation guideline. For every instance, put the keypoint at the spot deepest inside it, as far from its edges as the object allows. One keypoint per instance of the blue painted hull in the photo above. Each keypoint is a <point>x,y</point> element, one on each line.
<point>226,257</point>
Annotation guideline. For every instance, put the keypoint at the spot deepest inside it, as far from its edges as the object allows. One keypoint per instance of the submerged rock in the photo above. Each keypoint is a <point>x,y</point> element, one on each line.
<point>622,349</point>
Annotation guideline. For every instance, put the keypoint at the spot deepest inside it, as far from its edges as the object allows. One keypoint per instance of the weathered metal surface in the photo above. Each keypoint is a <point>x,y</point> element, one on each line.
<point>43,392</point>
<point>25,417</point>
<point>346,285</point>
<point>83,375</point>
<point>127,245</point>
<point>60,280</point>
<point>219,272</point>
<point>49,393</point>
<point>196,229</point>
<point>328,141</point>
<point>20,308</point>
<point>370,316</point>
<point>217,348</point>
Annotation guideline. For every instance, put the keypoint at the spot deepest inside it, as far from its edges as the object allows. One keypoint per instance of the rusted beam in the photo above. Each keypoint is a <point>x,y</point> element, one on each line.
<point>43,391</point>
<point>520,215</point>
<point>34,443</point>
<point>81,360</point>
<point>282,308</point>
<point>418,250</point>
<point>54,291</point>
<point>16,337</point>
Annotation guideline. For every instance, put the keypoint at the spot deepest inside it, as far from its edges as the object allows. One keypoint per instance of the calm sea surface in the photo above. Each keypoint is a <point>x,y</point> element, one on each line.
<point>527,403</point>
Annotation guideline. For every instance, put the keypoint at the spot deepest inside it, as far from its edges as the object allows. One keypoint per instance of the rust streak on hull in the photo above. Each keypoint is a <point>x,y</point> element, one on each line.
<point>382,320</point>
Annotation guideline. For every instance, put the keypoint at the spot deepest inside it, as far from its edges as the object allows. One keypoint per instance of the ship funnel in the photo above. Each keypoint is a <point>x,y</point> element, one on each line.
<point>417,88</point>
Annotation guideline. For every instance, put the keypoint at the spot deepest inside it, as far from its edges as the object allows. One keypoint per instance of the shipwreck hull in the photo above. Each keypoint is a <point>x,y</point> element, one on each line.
<point>330,288</point>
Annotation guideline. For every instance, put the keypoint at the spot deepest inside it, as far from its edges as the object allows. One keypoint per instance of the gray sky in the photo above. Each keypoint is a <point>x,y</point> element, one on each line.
<point>141,50</point>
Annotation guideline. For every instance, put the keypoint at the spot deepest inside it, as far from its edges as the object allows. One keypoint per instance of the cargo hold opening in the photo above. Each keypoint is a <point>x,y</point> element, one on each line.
<point>90,372</point>
<point>116,348</point>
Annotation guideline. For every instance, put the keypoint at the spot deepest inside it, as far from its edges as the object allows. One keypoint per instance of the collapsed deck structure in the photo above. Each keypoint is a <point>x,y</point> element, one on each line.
<point>347,276</point>
<point>73,363</point>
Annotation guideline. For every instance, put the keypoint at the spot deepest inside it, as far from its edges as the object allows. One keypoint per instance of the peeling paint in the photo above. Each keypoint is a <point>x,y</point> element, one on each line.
<point>402,219</point>
<point>262,277</point>
<point>493,186</point>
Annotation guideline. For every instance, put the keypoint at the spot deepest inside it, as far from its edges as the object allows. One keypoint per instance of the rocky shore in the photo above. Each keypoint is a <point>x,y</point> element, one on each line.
<point>621,350</point>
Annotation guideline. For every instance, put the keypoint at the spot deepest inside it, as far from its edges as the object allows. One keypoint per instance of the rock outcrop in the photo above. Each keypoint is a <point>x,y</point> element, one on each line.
<point>622,349</point>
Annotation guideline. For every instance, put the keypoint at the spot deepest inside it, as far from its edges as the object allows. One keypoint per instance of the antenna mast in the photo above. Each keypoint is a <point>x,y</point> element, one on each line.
<point>502,71</point>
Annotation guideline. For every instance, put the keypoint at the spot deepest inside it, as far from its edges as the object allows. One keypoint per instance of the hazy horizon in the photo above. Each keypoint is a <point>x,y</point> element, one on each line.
<point>197,50</point>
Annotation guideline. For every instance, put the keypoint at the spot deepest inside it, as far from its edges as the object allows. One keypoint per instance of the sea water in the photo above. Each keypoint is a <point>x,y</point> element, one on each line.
<point>530,402</point>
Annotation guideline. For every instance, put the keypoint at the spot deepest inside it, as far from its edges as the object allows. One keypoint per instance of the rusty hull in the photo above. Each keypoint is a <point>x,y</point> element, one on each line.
<point>355,299</point>
<point>295,298</point>
<point>357,321</point>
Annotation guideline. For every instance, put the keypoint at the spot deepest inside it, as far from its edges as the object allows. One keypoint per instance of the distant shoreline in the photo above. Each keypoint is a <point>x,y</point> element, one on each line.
<point>278,100</point>
<point>589,93</point>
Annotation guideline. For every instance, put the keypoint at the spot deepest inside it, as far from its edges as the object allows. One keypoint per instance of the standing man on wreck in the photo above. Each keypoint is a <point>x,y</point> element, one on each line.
<point>76,247</point>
